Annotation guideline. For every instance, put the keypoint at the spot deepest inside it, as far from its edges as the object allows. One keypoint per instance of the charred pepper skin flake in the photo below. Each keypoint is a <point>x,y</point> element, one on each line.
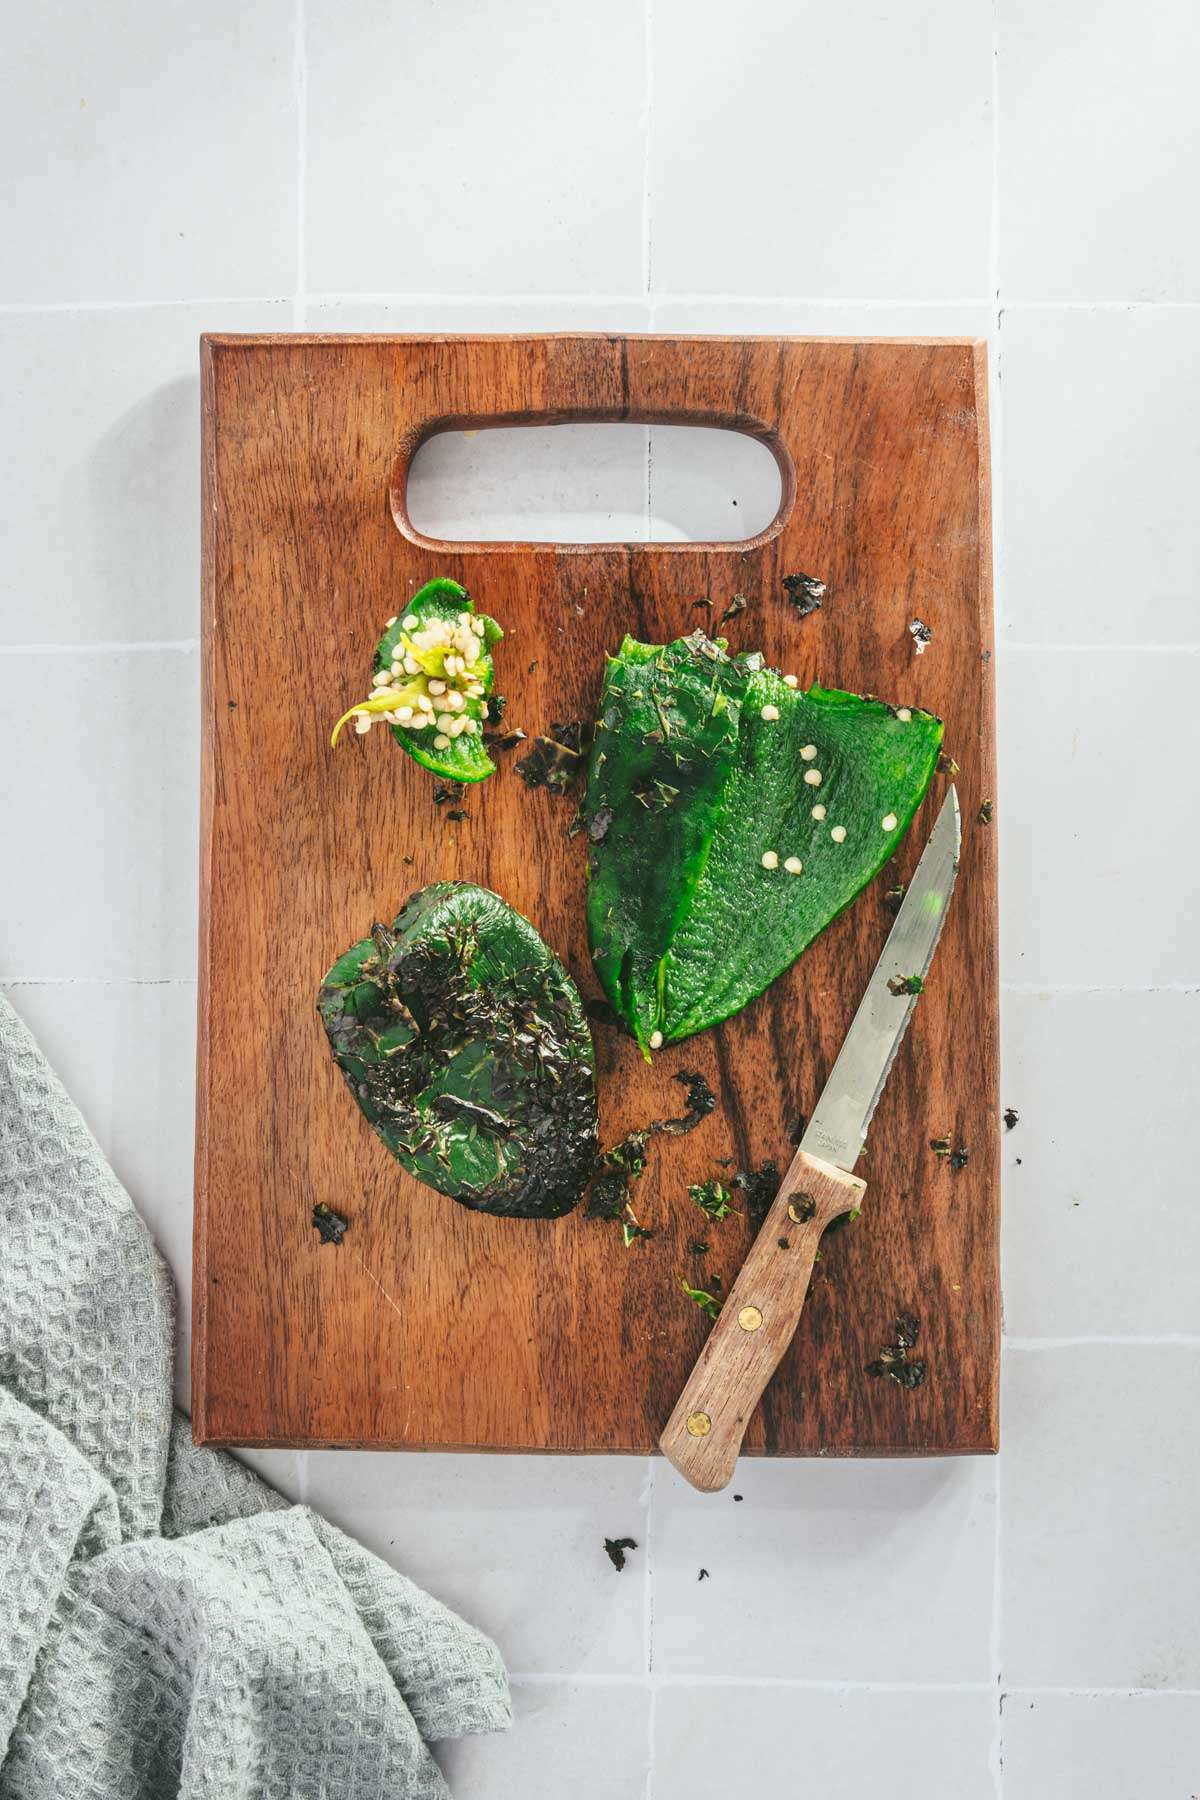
<point>615,1548</point>
<point>805,592</point>
<point>701,776</point>
<point>894,1361</point>
<point>464,1042</point>
<point>331,1225</point>
<point>555,761</point>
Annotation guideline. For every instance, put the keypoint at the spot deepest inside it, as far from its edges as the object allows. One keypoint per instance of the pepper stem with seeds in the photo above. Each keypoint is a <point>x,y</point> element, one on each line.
<point>431,680</point>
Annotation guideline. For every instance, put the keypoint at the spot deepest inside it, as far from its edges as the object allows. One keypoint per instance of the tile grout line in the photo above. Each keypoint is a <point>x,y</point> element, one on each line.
<point>647,203</point>
<point>648,101</point>
<point>798,1684</point>
<point>1162,1340</point>
<point>105,647</point>
<point>1032,988</point>
<point>299,308</point>
<point>999,571</point>
<point>648,1628</point>
<point>7,981</point>
<point>827,303</point>
<point>596,1678</point>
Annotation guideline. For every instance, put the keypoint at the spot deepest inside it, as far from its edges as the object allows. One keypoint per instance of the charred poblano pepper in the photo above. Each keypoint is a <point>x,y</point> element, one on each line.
<point>430,682</point>
<point>464,1041</point>
<point>742,815</point>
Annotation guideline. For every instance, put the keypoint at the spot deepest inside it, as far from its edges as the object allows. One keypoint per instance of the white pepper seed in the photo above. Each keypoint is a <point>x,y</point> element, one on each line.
<point>889,823</point>
<point>362,723</point>
<point>441,741</point>
<point>903,714</point>
<point>813,777</point>
<point>472,726</point>
<point>818,812</point>
<point>808,752</point>
<point>410,623</point>
<point>770,859</point>
<point>656,1039</point>
<point>390,623</point>
<point>437,687</point>
<point>444,721</point>
<point>404,714</point>
<point>838,834</point>
<point>769,712</point>
<point>794,866</point>
<point>791,681</point>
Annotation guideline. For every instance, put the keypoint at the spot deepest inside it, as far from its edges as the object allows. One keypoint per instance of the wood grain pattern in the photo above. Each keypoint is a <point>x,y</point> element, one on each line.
<point>432,1326</point>
<point>703,1436</point>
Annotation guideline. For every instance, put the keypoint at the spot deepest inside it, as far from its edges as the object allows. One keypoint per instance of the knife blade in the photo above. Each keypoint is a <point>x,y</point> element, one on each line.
<point>758,1320</point>
<point>838,1127</point>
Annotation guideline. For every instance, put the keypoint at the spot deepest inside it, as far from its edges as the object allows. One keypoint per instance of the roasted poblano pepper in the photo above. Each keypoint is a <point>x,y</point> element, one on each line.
<point>464,1041</point>
<point>430,682</point>
<point>730,818</point>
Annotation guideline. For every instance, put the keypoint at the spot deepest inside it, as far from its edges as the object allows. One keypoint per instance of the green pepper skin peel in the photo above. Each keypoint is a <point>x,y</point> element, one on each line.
<point>698,901</point>
<point>465,1044</point>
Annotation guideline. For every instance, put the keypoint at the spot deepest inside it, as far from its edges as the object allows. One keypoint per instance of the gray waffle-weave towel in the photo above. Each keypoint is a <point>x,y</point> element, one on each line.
<point>168,1624</point>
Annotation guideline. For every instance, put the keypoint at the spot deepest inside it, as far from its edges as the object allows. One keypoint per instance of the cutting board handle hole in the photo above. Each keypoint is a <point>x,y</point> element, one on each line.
<point>462,483</point>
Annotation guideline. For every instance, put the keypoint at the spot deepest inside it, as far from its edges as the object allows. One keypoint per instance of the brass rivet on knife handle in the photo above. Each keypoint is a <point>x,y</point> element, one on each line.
<point>755,1325</point>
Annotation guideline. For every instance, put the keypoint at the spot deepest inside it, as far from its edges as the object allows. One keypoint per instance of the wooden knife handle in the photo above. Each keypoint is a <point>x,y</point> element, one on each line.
<point>756,1324</point>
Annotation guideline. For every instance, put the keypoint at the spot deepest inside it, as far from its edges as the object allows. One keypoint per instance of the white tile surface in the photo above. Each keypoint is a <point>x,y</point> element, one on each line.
<point>555,483</point>
<point>824,318</point>
<point>102,442</point>
<point>512,165</point>
<point>831,1571</point>
<point>515,1542</point>
<point>468,314</point>
<point>99,791</point>
<point>1100,1580</point>
<point>1101,1747</point>
<point>1098,868</point>
<point>150,150</point>
<point>715,1743</point>
<point>1102,1139</point>
<point>588,484</point>
<point>1102,532</point>
<point>1099,154</point>
<point>585,1741</point>
<point>708,485</point>
<point>836,152</point>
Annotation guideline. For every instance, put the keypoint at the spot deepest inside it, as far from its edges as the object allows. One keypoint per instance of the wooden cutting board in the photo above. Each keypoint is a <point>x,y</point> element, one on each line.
<point>430,1326</point>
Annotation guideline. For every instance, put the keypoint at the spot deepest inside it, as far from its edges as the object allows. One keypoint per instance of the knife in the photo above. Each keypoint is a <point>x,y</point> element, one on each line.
<point>759,1318</point>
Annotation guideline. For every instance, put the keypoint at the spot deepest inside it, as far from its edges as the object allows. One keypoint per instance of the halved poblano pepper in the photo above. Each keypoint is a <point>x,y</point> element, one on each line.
<point>731,817</point>
<point>464,1041</point>
<point>430,682</point>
